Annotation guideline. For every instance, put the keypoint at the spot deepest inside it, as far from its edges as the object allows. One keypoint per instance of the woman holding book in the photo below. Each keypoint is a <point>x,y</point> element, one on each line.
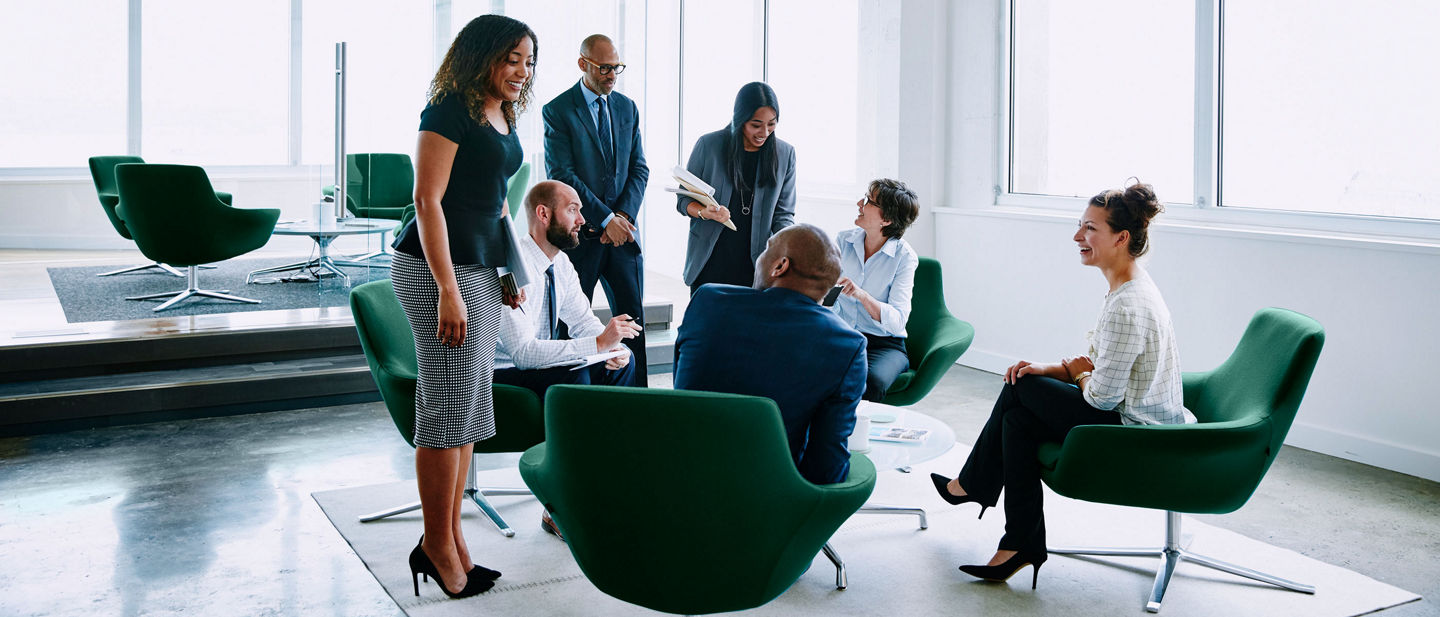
<point>877,279</point>
<point>753,174</point>
<point>1131,375</point>
<point>444,272</point>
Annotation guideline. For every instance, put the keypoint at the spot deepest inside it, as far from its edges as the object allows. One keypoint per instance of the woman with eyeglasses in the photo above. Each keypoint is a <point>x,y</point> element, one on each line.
<point>1131,375</point>
<point>444,273</point>
<point>878,278</point>
<point>753,173</point>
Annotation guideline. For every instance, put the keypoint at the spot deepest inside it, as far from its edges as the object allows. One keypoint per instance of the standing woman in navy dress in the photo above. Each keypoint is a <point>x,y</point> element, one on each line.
<point>444,275</point>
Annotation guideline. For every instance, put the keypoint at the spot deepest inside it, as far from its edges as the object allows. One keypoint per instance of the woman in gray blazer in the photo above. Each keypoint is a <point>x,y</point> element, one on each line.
<point>753,173</point>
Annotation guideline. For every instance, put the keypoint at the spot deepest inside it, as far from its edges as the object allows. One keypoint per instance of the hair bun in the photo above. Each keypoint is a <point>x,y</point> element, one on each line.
<point>1139,198</point>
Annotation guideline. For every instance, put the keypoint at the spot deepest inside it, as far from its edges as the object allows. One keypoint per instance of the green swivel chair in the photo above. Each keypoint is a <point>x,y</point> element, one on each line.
<point>378,185</point>
<point>102,171</point>
<point>1244,407</point>
<point>389,347</point>
<point>935,339</point>
<point>516,187</point>
<point>684,501</point>
<point>176,218</point>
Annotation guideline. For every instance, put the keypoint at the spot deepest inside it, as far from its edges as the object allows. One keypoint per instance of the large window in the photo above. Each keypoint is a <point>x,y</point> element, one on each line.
<point>215,82</point>
<point>1330,106</point>
<point>63,98</point>
<point>1102,91</point>
<point>1296,106</point>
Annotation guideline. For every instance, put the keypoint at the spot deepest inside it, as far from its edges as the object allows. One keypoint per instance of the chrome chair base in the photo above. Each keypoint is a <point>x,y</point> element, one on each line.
<point>477,495</point>
<point>875,508</point>
<point>164,267</point>
<point>840,581</point>
<point>1170,557</point>
<point>191,291</point>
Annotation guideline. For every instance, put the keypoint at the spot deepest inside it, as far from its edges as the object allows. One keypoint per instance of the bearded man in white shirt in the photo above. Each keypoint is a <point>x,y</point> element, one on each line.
<point>531,352</point>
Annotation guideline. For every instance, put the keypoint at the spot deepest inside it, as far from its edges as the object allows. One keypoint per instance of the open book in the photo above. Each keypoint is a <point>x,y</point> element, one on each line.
<point>693,187</point>
<point>899,434</point>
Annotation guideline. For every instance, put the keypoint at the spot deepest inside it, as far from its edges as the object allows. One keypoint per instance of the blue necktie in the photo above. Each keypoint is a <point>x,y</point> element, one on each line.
<point>552,319</point>
<point>607,142</point>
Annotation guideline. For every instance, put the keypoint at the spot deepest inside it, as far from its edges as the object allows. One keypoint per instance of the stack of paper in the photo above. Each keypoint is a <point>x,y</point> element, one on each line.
<point>696,189</point>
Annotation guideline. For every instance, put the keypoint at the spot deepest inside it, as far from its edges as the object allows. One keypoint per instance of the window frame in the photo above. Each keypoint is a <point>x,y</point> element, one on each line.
<point>1202,210</point>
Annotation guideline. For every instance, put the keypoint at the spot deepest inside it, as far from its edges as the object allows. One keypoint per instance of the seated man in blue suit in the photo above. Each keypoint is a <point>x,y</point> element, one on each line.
<point>776,341</point>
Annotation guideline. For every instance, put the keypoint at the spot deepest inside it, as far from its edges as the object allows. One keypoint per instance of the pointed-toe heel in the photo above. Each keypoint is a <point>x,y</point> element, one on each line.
<point>942,486</point>
<point>1002,572</point>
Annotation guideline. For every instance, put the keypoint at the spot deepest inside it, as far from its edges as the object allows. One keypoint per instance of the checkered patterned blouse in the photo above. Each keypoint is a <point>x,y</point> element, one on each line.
<point>1137,364</point>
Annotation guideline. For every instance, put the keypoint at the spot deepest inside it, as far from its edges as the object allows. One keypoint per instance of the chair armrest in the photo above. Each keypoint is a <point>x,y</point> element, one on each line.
<point>1210,467</point>
<point>532,470</point>
<point>519,423</point>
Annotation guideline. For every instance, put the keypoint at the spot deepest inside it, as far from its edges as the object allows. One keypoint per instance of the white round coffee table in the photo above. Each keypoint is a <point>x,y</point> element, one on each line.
<point>323,236</point>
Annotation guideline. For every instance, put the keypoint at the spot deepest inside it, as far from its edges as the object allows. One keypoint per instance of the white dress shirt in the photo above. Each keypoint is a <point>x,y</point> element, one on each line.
<point>888,276</point>
<point>525,336</point>
<point>1137,363</point>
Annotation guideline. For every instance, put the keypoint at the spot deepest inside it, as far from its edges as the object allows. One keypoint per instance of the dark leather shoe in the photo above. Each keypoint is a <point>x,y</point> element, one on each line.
<point>548,524</point>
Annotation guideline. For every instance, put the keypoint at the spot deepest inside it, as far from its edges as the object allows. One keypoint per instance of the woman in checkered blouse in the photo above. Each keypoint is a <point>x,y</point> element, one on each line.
<point>1131,375</point>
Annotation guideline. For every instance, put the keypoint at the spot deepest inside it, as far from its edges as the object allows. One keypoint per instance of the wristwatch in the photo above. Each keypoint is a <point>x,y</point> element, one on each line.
<point>1081,376</point>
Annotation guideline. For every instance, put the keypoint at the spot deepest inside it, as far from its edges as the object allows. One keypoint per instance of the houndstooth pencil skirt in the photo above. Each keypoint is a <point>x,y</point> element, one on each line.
<point>453,402</point>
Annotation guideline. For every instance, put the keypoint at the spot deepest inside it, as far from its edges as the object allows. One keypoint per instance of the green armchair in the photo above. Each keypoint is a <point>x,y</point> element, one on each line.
<point>102,172</point>
<point>1244,407</point>
<point>175,217</point>
<point>935,339</point>
<point>389,347</point>
<point>706,512</point>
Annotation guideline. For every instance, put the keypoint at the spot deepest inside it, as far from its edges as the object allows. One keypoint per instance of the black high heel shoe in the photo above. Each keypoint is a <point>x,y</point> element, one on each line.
<point>420,564</point>
<point>475,568</point>
<point>1002,572</point>
<point>942,487</point>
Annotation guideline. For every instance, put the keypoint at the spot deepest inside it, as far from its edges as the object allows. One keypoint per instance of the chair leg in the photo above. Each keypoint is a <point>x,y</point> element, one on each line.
<point>192,289</point>
<point>875,508</point>
<point>1171,556</point>
<point>375,516</point>
<point>148,266</point>
<point>840,581</point>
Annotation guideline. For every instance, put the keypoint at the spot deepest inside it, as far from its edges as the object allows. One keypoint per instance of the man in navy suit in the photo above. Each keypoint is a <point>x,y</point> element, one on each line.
<point>592,143</point>
<point>776,341</point>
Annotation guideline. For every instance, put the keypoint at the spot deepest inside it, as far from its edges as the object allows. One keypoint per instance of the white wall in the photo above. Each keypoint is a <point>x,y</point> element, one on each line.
<point>1014,274</point>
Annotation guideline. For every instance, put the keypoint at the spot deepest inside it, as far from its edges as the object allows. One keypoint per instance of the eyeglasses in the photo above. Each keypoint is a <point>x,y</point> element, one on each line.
<point>605,69</point>
<point>865,199</point>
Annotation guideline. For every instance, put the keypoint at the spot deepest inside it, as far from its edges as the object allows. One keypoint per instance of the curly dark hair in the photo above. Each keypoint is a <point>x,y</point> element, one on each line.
<point>898,204</point>
<point>470,65</point>
<point>1130,209</point>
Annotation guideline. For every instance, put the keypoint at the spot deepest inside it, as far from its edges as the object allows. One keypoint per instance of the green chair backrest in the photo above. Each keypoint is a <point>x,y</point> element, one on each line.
<point>1264,378</point>
<point>683,501</point>
<point>935,339</point>
<point>176,218</point>
<point>516,187</point>
<point>102,171</point>
<point>389,347</point>
<point>380,180</point>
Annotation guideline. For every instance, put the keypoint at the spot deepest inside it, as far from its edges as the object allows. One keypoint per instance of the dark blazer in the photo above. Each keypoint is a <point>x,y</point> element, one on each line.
<point>774,205</point>
<point>779,344</point>
<point>572,156</point>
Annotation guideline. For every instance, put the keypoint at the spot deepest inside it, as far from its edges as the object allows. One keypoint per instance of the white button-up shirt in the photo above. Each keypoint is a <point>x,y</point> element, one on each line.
<point>525,336</point>
<point>888,276</point>
<point>1137,363</point>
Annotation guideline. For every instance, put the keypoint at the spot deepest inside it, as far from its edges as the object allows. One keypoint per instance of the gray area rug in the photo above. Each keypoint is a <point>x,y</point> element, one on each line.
<point>86,297</point>
<point>894,567</point>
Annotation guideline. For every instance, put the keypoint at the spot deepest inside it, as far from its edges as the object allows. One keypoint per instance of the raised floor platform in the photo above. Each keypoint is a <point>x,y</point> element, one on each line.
<point>61,376</point>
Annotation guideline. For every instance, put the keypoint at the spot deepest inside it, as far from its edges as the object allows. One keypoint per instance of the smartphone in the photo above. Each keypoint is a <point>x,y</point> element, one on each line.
<point>831,296</point>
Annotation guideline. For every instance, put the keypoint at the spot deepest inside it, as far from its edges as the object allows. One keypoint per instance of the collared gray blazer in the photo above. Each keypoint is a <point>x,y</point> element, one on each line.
<point>774,205</point>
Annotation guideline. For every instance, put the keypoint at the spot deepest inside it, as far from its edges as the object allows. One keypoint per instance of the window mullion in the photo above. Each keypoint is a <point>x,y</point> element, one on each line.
<point>1207,103</point>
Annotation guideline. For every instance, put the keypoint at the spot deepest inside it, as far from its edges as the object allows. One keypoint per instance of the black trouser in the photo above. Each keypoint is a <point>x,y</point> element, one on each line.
<point>1033,411</point>
<point>620,270</point>
<point>540,380</point>
<point>887,359</point>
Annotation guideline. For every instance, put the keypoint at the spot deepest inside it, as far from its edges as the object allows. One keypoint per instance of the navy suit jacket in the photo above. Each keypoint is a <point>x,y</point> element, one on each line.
<point>782,345</point>
<point>572,156</point>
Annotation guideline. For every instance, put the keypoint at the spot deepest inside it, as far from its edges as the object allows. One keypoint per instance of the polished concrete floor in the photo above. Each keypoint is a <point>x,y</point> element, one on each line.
<point>214,516</point>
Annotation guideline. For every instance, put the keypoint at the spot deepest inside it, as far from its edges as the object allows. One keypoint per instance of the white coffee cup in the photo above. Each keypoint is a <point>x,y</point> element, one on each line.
<point>860,438</point>
<point>324,215</point>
